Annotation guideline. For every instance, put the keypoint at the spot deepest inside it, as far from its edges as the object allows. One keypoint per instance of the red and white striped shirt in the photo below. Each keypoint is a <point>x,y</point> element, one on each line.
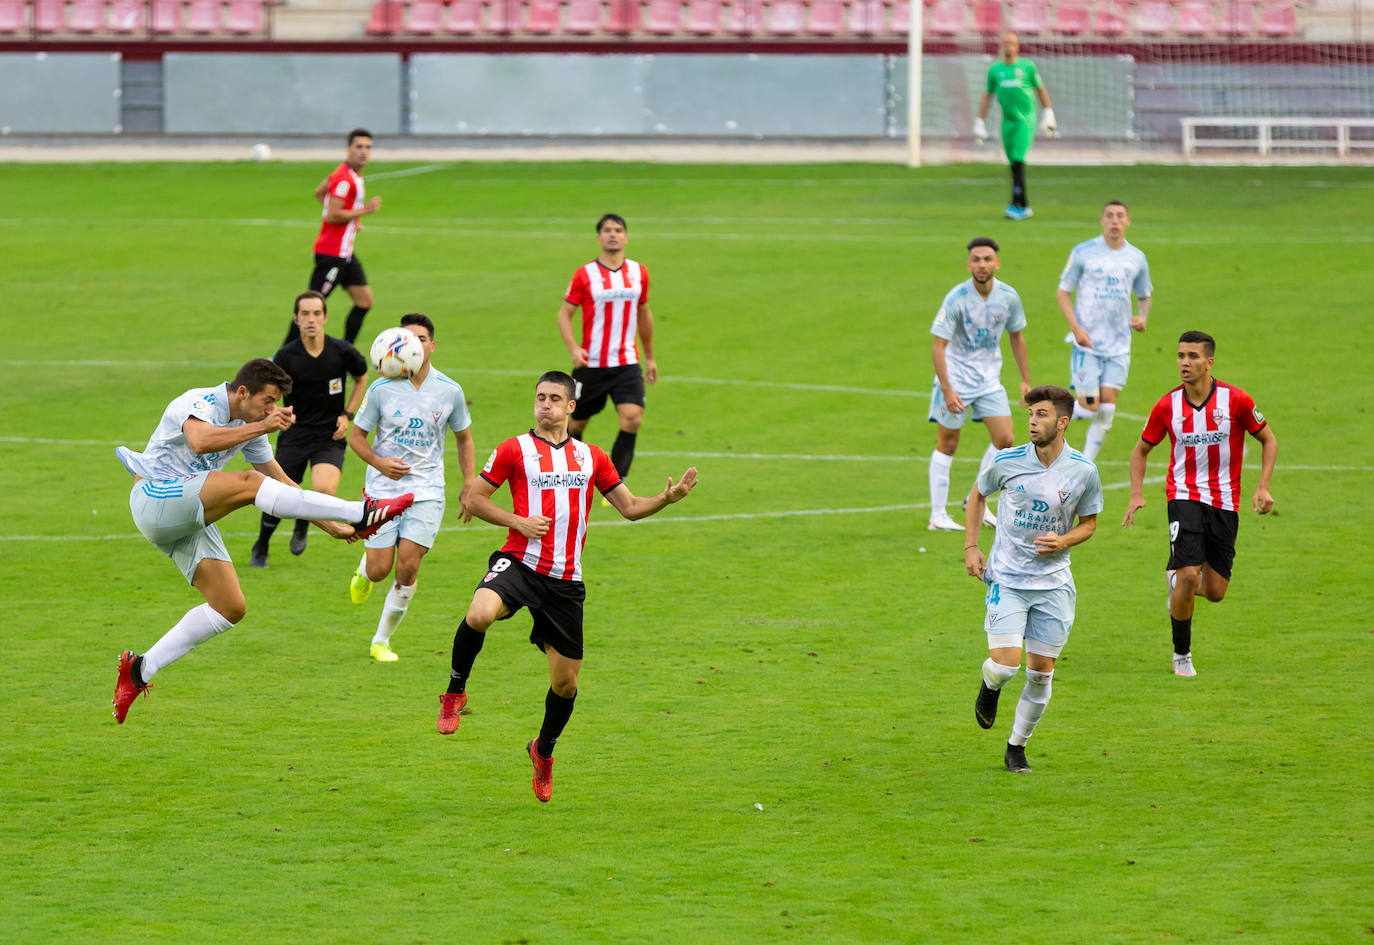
<point>1208,442</point>
<point>610,300</point>
<point>336,239</point>
<point>554,480</point>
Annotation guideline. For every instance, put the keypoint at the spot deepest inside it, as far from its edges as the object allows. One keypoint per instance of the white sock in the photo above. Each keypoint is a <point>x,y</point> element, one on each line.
<point>997,675</point>
<point>397,600</point>
<point>362,566</point>
<point>939,483</point>
<point>1082,413</point>
<point>200,624</point>
<point>1031,705</point>
<point>1097,430</point>
<point>283,501</point>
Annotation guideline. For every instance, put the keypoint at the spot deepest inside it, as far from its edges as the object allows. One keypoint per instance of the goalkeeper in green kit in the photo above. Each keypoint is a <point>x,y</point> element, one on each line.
<point>1017,84</point>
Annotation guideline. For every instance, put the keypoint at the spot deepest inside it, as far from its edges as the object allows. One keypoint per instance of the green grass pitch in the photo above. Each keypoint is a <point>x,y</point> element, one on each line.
<point>774,740</point>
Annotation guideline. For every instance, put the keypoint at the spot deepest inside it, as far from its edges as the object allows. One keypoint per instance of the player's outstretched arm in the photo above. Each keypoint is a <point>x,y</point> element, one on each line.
<point>634,507</point>
<point>272,470</point>
<point>480,505</point>
<point>204,437</point>
<point>1137,500</point>
<point>974,562</point>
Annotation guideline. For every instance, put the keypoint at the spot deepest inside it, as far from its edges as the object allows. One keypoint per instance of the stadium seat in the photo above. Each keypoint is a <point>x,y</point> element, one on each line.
<point>786,17</point>
<point>1070,20</point>
<point>746,17</point>
<point>1112,20</point>
<point>203,16</point>
<point>48,15</point>
<point>624,17</point>
<point>386,18</point>
<point>13,16</point>
<point>1030,16</point>
<point>1194,18</point>
<point>1154,18</point>
<point>987,16</point>
<point>704,17</point>
<point>947,18</point>
<point>1278,20</point>
<point>424,17</point>
<point>244,18</point>
<point>127,16</point>
<point>86,16</point>
<point>1237,18</point>
<point>503,16</point>
<point>542,17</point>
<point>584,17</point>
<point>663,18</point>
<point>827,18</point>
<point>900,23</point>
<point>866,17</point>
<point>465,17</point>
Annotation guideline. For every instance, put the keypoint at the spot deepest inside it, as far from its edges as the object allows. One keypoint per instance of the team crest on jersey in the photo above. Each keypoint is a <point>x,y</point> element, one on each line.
<point>1064,496</point>
<point>1218,416</point>
<point>436,414</point>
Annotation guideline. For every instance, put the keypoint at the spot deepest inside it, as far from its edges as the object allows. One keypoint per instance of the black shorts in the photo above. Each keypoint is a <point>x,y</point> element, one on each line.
<point>335,270</point>
<point>623,384</point>
<point>555,604</point>
<point>296,451</point>
<point>1199,533</point>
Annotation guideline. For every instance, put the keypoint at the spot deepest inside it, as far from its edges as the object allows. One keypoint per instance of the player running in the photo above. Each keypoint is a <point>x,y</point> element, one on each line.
<point>1045,485</point>
<point>181,490</point>
<point>1206,422</point>
<point>1103,272</point>
<point>551,477</point>
<point>1017,84</point>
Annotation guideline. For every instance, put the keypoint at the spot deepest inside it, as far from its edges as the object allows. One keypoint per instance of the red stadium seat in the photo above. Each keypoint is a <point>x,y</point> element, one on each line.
<point>1278,20</point>
<point>624,17</point>
<point>1070,20</point>
<point>47,15</point>
<point>947,18</point>
<point>664,17</point>
<point>1194,18</point>
<point>167,16</point>
<point>1237,18</point>
<point>465,18</point>
<point>244,17</point>
<point>503,16</point>
<point>13,16</point>
<point>786,17</point>
<point>1154,18</point>
<point>86,16</point>
<point>900,24</point>
<point>543,17</point>
<point>425,17</point>
<point>203,16</point>
<point>746,17</point>
<point>584,17</point>
<point>1030,16</point>
<point>827,18</point>
<point>1112,20</point>
<point>704,17</point>
<point>386,18</point>
<point>127,16</point>
<point>987,16</point>
<point>866,17</point>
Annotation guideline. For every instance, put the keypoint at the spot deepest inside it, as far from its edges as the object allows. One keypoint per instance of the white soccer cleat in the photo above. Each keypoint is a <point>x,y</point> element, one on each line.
<point>1183,665</point>
<point>941,522</point>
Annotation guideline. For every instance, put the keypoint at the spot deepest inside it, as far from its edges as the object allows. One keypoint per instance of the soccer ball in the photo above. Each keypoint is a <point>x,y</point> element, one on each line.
<point>262,152</point>
<point>397,353</point>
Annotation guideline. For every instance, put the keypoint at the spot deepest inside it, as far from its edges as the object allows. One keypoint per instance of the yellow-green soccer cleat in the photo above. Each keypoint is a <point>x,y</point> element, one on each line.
<point>359,588</point>
<point>381,652</point>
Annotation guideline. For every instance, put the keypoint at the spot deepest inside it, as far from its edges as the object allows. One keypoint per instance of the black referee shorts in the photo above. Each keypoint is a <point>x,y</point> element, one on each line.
<point>623,384</point>
<point>1200,533</point>
<point>555,604</point>
<point>297,450</point>
<point>335,270</point>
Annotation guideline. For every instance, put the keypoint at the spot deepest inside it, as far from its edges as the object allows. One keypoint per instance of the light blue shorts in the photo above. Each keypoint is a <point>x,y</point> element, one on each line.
<point>1090,371</point>
<point>993,404</point>
<point>1043,619</point>
<point>170,515</point>
<point>419,523</point>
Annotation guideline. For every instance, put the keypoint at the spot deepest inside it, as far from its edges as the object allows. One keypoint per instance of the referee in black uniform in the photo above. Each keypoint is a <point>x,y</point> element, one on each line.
<point>318,365</point>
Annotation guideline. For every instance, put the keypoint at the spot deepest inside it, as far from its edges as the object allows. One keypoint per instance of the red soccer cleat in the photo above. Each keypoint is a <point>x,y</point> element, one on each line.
<point>377,512</point>
<point>543,772</point>
<point>125,691</point>
<point>451,711</point>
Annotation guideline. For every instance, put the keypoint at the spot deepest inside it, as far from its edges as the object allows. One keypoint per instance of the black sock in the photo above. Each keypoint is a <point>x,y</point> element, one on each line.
<point>136,672</point>
<point>623,452</point>
<point>1183,635</point>
<point>467,643</point>
<point>354,324</point>
<point>302,526</point>
<point>269,525</point>
<point>292,333</point>
<point>557,711</point>
<point>1018,184</point>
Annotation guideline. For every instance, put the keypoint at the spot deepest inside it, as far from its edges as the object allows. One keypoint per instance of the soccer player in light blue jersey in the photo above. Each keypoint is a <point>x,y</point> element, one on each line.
<point>1045,485</point>
<point>181,489</point>
<point>1095,296</point>
<point>409,417</point>
<point>967,352</point>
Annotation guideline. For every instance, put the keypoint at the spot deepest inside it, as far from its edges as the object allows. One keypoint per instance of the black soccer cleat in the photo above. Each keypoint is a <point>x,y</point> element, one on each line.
<point>985,707</point>
<point>257,556</point>
<point>298,539</point>
<point>1015,759</point>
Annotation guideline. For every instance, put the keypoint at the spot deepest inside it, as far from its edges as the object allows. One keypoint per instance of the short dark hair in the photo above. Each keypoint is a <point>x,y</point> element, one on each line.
<point>983,241</point>
<point>1209,344</point>
<point>309,294</point>
<point>415,318</point>
<point>558,377</point>
<point>1062,399</point>
<point>258,373</point>
<point>613,217</point>
<point>358,133</point>
<point>1116,203</point>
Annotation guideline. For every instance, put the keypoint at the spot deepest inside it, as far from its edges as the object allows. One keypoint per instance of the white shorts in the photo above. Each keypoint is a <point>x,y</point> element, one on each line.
<point>1042,618</point>
<point>419,523</point>
<point>170,515</point>
<point>1090,371</point>
<point>993,404</point>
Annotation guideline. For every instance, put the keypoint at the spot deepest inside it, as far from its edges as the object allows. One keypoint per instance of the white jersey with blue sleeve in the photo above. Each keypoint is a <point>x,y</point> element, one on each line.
<point>409,423</point>
<point>1036,499</point>
<point>1104,279</point>
<point>169,456</point>
<point>973,327</point>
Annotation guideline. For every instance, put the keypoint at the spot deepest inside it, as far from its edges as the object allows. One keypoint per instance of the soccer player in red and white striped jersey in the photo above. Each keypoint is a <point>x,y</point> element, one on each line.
<point>612,293</point>
<point>1206,422</point>
<point>551,477</point>
<point>342,196</point>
